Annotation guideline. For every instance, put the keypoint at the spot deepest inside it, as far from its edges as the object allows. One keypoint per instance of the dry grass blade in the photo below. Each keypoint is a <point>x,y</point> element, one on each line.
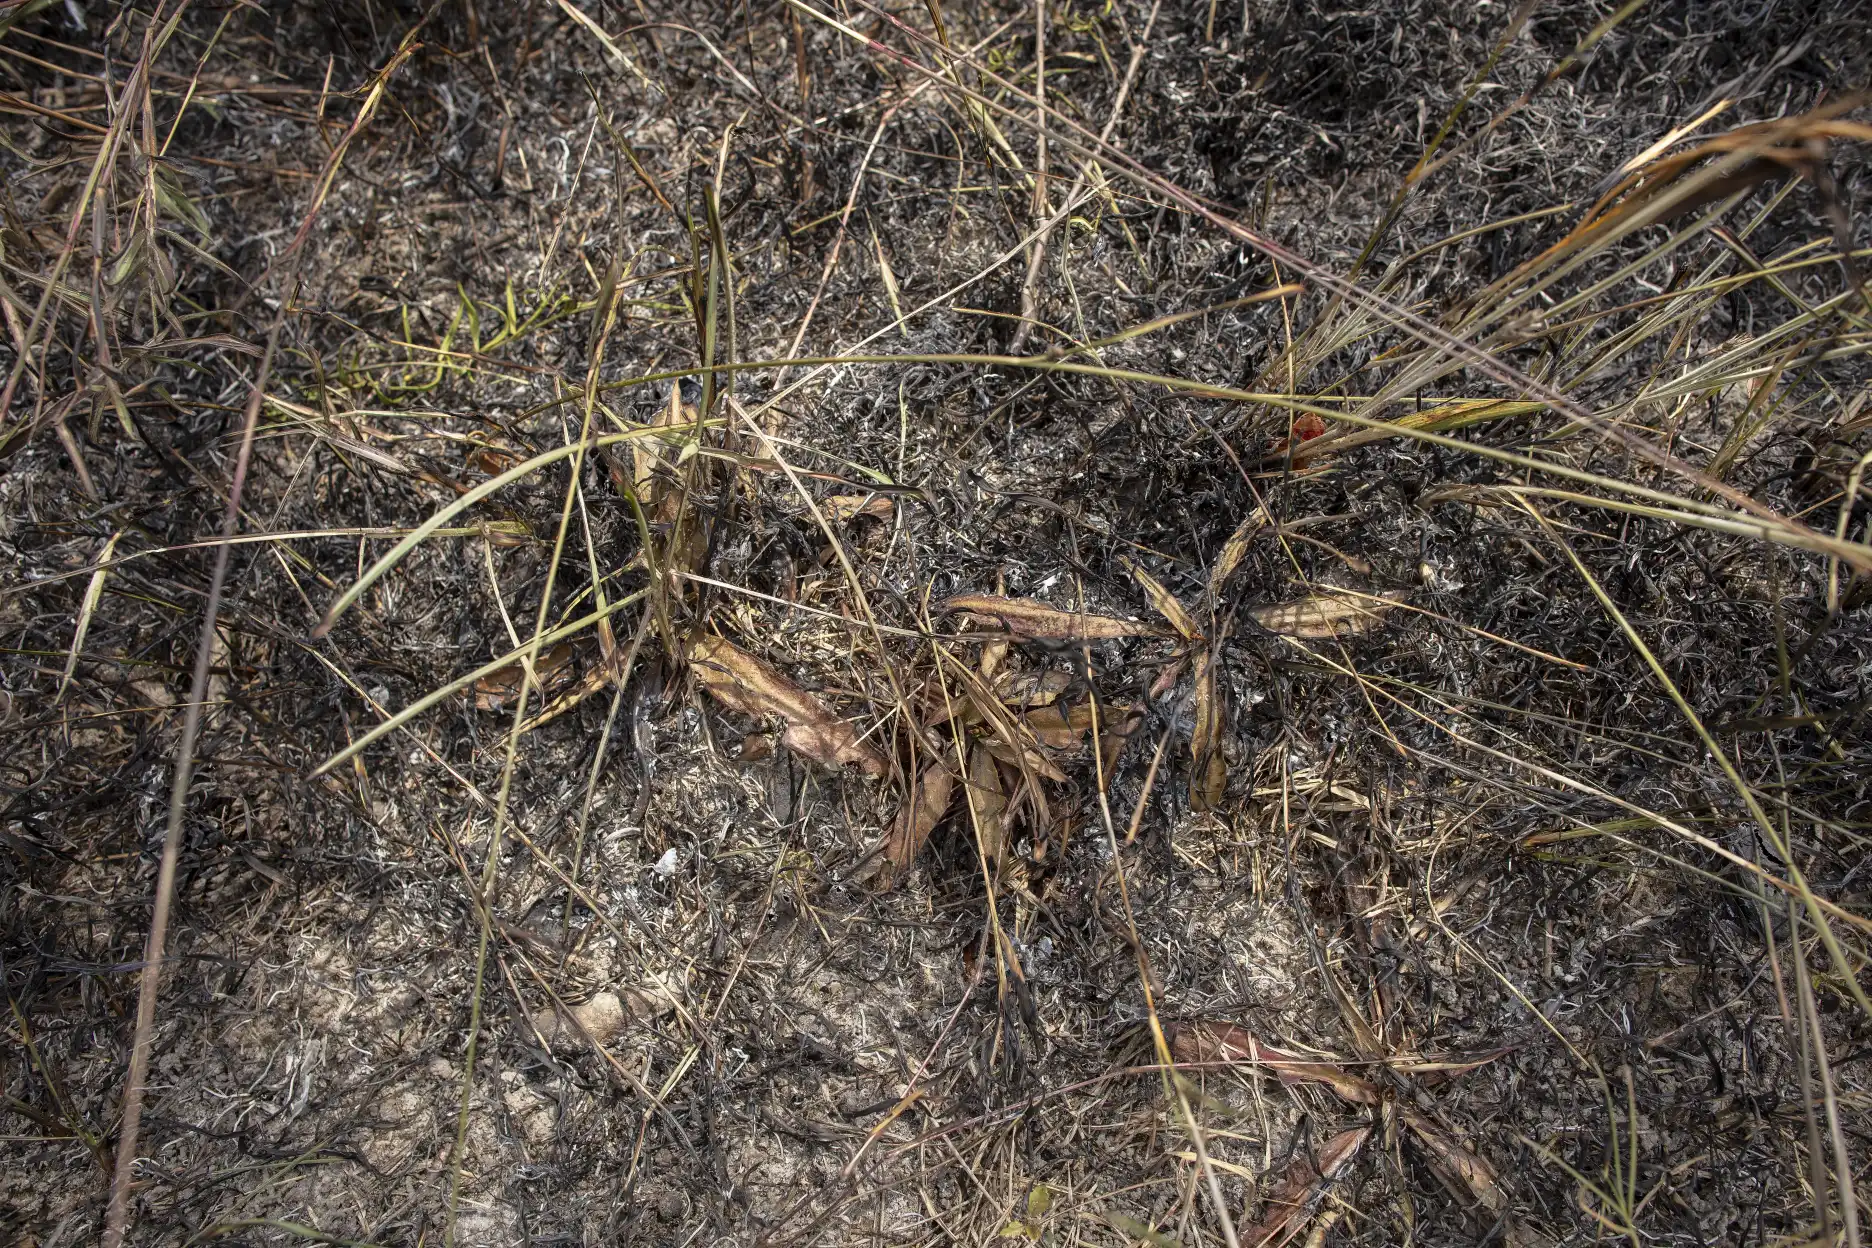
<point>1442,1069</point>
<point>1440,417</point>
<point>437,520</point>
<point>1025,618</point>
<point>93,593</point>
<point>1743,517</point>
<point>1324,615</point>
<point>1142,1232</point>
<point>742,682</point>
<point>1160,1038</point>
<point>1301,1188</point>
<point>605,41</point>
<point>1797,883</point>
<point>1774,149</point>
<point>512,660</point>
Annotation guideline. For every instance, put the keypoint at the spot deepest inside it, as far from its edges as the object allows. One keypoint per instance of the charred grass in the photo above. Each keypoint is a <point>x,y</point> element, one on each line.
<point>781,624</point>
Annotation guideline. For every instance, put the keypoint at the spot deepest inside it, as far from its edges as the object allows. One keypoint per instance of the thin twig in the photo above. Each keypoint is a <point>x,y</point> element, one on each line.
<point>117,1214</point>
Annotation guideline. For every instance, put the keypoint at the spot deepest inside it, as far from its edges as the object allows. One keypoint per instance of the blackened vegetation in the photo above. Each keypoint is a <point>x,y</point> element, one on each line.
<point>1471,852</point>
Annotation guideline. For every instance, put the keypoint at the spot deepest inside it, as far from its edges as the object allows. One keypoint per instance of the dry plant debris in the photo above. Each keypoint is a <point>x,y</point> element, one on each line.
<point>1231,624</point>
<point>1302,1187</point>
<point>742,682</point>
<point>1324,615</point>
<point>1023,618</point>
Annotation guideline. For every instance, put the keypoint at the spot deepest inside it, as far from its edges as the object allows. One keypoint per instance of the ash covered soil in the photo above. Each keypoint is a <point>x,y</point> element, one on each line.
<point>1455,925</point>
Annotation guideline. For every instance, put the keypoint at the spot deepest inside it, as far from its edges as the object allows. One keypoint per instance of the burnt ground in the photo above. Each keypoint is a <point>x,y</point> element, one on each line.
<point>1465,859</point>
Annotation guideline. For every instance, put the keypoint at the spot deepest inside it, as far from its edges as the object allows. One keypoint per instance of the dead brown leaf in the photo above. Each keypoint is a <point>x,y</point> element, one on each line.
<point>649,455</point>
<point>1026,618</point>
<point>1289,1205</point>
<point>1209,774</point>
<point>1023,756</point>
<point>1326,614</point>
<point>1006,736</point>
<point>1166,604</point>
<point>744,683</point>
<point>993,655</point>
<point>1234,551</point>
<point>554,667</point>
<point>1025,690</point>
<point>1167,678</point>
<point>1468,1175</point>
<point>851,506</point>
<point>1464,1171</point>
<point>1209,783</point>
<point>928,803</point>
<point>1230,1043</point>
<point>491,459</point>
<point>934,704</point>
<point>987,802</point>
<point>1057,729</point>
<point>1120,725</point>
<point>566,694</point>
